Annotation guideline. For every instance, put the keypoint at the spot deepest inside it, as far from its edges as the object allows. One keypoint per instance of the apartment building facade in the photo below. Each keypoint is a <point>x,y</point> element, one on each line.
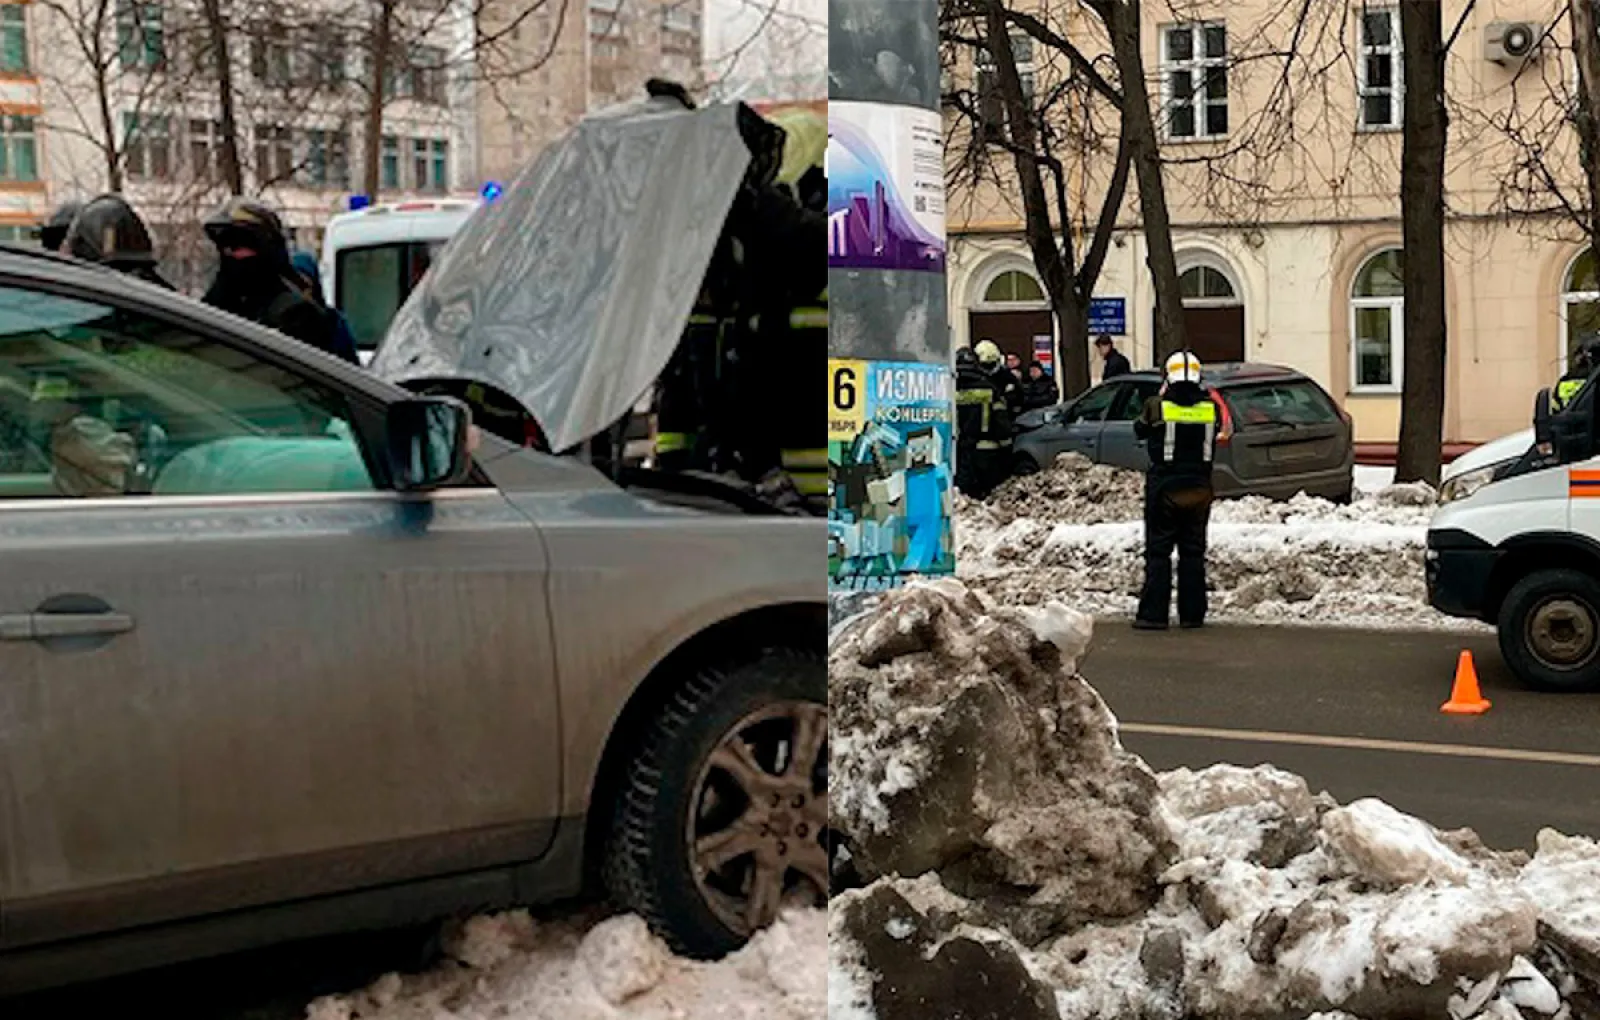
<point>1284,195</point>
<point>554,61</point>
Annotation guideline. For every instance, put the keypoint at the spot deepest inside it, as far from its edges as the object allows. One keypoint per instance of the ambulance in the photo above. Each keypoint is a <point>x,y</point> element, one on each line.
<point>1515,543</point>
<point>372,258</point>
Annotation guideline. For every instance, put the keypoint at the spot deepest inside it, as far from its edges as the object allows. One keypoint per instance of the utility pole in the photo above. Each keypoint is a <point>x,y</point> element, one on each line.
<point>891,404</point>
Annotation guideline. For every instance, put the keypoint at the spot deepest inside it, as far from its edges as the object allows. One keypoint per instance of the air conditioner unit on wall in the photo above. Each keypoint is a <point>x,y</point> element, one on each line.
<point>1512,42</point>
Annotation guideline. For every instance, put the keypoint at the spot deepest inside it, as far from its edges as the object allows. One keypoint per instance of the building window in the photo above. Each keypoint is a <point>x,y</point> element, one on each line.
<point>1379,68</point>
<point>327,162</point>
<point>1377,324</point>
<point>991,104</point>
<point>439,180</point>
<point>390,163</point>
<point>1194,79</point>
<point>141,36</point>
<point>271,56</point>
<point>680,26</point>
<point>422,76</point>
<point>147,146</point>
<point>205,149</point>
<point>419,163</point>
<point>13,39</point>
<point>322,54</point>
<point>1202,284</point>
<point>1013,286</point>
<point>19,159</point>
<point>605,28</point>
<point>1580,303</point>
<point>274,154</point>
<point>19,233</point>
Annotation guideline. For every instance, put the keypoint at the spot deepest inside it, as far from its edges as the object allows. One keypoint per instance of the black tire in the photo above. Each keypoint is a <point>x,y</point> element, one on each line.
<point>673,790</point>
<point>1024,464</point>
<point>1344,497</point>
<point>1549,630</point>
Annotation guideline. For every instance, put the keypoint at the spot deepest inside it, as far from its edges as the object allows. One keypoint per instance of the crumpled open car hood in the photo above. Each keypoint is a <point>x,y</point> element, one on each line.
<point>571,290</point>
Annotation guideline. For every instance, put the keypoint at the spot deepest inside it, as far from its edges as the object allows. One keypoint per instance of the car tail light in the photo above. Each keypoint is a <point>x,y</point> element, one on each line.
<point>532,438</point>
<point>1227,418</point>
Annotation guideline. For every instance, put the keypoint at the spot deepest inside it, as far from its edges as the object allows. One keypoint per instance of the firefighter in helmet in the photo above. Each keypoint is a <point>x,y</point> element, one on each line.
<point>1180,425</point>
<point>54,232</point>
<point>107,230</point>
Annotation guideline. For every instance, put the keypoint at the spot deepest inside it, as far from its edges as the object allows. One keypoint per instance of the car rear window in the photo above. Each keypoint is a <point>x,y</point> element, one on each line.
<point>1293,402</point>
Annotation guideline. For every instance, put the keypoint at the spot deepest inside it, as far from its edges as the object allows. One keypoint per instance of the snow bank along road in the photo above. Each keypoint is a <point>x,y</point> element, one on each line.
<point>1019,864</point>
<point>1357,714</point>
<point>1074,531</point>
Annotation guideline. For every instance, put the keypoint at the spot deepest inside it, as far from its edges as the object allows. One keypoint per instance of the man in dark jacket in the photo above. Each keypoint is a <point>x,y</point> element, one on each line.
<point>983,427</point>
<point>1180,425</point>
<point>1039,390</point>
<point>107,230</point>
<point>255,280</point>
<point>1116,361</point>
<point>305,264</point>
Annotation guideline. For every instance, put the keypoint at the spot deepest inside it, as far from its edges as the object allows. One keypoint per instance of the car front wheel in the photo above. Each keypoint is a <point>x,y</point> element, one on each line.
<point>1550,630</point>
<point>723,817</point>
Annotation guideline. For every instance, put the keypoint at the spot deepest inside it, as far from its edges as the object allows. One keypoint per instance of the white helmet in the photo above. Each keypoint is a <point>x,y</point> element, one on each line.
<point>1183,367</point>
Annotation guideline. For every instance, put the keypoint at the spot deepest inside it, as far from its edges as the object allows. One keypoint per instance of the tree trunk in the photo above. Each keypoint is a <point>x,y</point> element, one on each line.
<point>108,126</point>
<point>1122,25</point>
<point>1423,143</point>
<point>1586,48</point>
<point>382,31</point>
<point>232,167</point>
<point>1072,318</point>
<point>1053,264</point>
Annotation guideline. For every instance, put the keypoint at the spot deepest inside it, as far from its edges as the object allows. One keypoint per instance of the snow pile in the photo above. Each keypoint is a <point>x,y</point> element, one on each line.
<point>1027,867</point>
<point>1078,527</point>
<point>510,965</point>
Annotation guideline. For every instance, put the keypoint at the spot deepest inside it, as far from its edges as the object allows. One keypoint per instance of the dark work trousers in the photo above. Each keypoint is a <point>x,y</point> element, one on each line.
<point>1175,516</point>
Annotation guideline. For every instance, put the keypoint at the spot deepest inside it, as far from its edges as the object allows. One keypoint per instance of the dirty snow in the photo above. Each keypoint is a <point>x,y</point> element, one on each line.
<point>611,968</point>
<point>1076,527</point>
<point>1268,901</point>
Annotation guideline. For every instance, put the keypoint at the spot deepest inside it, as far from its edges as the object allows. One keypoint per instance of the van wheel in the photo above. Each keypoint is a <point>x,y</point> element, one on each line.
<point>1024,464</point>
<point>1550,630</point>
<point>723,819</point>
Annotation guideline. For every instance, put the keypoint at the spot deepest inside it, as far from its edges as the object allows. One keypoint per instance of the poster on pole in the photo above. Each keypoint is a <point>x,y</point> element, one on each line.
<point>885,188</point>
<point>890,445</point>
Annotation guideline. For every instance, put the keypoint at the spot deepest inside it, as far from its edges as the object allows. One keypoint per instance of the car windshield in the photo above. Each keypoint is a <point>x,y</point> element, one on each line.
<point>374,281</point>
<point>1292,402</point>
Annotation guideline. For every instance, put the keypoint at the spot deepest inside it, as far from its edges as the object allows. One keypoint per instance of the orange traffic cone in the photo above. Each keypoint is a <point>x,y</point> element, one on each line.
<point>1465,698</point>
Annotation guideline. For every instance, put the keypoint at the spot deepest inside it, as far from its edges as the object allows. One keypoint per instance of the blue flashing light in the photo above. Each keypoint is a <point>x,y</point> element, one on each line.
<point>491,191</point>
<point>359,202</point>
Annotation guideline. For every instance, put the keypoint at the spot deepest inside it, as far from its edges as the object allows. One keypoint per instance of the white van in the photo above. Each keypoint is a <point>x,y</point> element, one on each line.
<point>373,257</point>
<point>1516,543</point>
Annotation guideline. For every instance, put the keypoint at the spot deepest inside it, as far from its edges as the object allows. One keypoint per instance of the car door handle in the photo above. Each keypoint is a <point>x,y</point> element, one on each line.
<point>34,626</point>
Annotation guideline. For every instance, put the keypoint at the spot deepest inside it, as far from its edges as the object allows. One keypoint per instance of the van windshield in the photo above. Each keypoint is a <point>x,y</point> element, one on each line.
<point>372,283</point>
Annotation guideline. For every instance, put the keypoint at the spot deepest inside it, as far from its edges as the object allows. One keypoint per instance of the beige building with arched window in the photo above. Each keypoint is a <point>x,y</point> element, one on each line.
<point>1312,280</point>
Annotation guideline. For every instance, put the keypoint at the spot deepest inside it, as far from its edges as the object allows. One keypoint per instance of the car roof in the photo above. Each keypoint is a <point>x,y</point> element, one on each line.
<point>25,265</point>
<point>1224,374</point>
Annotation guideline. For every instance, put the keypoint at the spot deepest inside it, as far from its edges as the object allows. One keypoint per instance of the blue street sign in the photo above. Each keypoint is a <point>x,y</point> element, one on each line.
<point>1108,315</point>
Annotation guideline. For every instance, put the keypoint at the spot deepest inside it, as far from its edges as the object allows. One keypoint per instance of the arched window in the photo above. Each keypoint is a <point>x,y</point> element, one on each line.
<point>1377,323</point>
<point>1580,302</point>
<point>1011,287</point>
<point>1203,284</point>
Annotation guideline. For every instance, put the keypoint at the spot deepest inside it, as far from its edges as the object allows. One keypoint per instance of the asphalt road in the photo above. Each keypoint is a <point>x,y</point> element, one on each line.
<point>1357,714</point>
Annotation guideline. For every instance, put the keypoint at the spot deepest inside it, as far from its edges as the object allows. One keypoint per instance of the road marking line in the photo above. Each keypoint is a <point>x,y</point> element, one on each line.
<point>1365,744</point>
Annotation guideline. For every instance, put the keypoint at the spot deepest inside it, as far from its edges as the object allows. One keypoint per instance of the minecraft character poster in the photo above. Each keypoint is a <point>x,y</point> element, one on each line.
<point>890,473</point>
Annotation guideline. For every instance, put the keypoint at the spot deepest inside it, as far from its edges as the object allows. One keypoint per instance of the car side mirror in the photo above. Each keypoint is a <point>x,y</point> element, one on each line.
<point>429,443</point>
<point>1541,417</point>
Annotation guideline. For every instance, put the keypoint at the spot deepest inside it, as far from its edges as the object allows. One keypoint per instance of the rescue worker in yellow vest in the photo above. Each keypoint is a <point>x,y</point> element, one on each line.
<point>1180,426</point>
<point>1583,365</point>
<point>685,385</point>
<point>983,428</point>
